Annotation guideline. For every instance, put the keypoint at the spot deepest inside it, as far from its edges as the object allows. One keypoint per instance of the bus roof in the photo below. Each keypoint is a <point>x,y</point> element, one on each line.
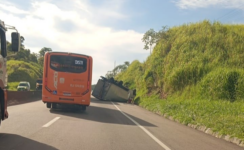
<point>68,53</point>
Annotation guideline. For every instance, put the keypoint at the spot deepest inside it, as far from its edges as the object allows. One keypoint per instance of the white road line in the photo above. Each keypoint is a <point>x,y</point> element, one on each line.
<point>145,130</point>
<point>51,122</point>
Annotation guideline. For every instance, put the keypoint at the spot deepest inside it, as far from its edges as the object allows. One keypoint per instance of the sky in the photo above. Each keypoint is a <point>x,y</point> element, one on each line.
<point>108,30</point>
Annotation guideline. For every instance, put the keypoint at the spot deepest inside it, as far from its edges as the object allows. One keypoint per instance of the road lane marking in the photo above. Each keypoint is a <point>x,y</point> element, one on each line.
<point>51,122</point>
<point>145,130</point>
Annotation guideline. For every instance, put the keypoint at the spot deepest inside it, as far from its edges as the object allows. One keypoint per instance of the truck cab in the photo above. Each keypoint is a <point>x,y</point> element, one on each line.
<point>15,41</point>
<point>39,84</point>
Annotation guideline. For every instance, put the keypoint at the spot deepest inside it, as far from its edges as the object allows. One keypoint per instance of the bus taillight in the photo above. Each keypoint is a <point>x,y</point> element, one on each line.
<point>45,84</point>
<point>45,81</point>
<point>88,85</point>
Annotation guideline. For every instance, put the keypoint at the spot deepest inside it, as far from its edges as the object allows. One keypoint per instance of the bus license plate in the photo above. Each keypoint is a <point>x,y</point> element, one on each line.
<point>67,94</point>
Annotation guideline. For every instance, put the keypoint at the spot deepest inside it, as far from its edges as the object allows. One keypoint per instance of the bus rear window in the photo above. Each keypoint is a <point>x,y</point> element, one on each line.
<point>70,64</point>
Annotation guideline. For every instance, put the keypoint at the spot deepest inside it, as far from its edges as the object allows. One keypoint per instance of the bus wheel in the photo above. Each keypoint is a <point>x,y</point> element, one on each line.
<point>48,105</point>
<point>54,105</point>
<point>83,107</point>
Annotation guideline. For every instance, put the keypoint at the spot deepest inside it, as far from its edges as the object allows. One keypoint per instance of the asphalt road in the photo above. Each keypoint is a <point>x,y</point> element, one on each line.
<point>103,126</point>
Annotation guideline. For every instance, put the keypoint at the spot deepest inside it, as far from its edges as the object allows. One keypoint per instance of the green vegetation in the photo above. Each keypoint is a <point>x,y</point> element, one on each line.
<point>194,74</point>
<point>24,71</point>
<point>24,66</point>
<point>12,86</point>
<point>223,117</point>
<point>117,69</point>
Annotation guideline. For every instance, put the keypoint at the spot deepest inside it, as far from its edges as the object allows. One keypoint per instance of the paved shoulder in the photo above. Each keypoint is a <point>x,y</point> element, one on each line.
<point>175,135</point>
<point>104,125</point>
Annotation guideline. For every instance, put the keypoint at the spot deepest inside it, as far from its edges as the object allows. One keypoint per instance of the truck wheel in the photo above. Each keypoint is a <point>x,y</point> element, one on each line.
<point>83,108</point>
<point>48,105</point>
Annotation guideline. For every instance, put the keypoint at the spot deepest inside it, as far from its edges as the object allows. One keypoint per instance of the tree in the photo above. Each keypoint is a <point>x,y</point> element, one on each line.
<point>23,54</point>
<point>162,34</point>
<point>110,74</point>
<point>149,38</point>
<point>127,63</point>
<point>118,69</point>
<point>41,61</point>
<point>44,50</point>
<point>42,53</point>
<point>33,57</point>
<point>9,47</point>
<point>22,39</point>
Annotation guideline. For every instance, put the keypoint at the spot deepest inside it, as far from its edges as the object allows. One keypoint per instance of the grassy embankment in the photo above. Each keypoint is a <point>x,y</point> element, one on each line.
<point>22,71</point>
<point>195,75</point>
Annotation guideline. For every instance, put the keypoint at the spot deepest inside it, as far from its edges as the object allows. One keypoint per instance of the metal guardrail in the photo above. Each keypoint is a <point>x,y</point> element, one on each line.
<point>23,94</point>
<point>15,97</point>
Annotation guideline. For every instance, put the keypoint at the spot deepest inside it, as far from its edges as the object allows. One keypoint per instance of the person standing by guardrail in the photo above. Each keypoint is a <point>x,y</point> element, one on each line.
<point>131,96</point>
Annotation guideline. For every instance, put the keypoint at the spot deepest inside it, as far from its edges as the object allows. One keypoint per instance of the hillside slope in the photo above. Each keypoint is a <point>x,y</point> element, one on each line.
<point>207,56</point>
<point>194,74</point>
<point>23,71</point>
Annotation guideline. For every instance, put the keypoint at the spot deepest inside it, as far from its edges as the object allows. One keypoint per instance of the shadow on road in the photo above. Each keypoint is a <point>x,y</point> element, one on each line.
<point>99,114</point>
<point>16,142</point>
<point>95,100</point>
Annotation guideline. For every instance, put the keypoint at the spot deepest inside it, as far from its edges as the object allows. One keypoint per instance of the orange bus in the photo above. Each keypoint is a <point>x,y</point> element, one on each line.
<point>67,79</point>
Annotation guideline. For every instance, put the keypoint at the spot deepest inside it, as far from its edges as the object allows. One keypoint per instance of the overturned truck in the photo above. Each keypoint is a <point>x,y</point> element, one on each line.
<point>110,90</point>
